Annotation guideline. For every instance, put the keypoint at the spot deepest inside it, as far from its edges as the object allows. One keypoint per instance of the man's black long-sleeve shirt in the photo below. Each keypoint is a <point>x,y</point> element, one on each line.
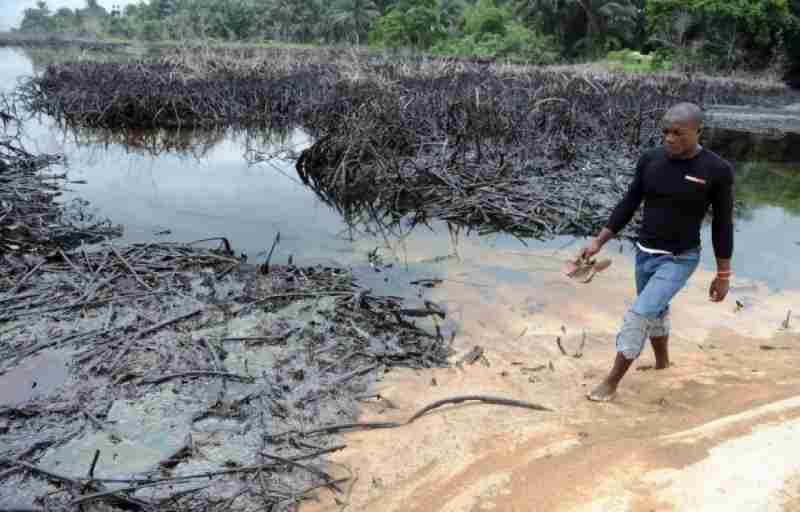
<point>677,194</point>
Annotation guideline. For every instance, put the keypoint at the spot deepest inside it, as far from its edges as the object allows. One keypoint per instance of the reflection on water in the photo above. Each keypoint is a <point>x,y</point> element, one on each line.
<point>199,184</point>
<point>208,190</point>
<point>190,143</point>
<point>768,237</point>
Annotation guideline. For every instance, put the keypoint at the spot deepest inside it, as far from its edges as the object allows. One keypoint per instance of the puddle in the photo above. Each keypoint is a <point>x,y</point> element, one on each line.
<point>38,377</point>
<point>140,434</point>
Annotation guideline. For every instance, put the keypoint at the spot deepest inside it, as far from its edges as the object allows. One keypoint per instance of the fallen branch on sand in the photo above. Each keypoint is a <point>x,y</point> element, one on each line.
<point>335,429</point>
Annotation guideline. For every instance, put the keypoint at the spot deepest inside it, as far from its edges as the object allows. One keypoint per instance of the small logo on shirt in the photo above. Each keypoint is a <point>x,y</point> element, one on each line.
<point>696,180</point>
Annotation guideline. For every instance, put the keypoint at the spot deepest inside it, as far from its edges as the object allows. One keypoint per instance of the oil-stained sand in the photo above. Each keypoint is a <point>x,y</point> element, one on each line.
<point>588,456</point>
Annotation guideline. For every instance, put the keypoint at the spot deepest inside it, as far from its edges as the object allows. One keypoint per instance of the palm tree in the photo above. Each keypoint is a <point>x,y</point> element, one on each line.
<point>354,16</point>
<point>286,17</point>
<point>449,12</point>
<point>606,21</point>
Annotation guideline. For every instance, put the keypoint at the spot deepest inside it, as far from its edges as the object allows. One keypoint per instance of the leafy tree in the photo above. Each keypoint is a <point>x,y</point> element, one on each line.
<point>413,24</point>
<point>490,31</point>
<point>354,17</point>
<point>448,13</point>
<point>150,30</point>
<point>485,18</point>
<point>290,20</point>
<point>729,32</point>
<point>37,19</point>
<point>591,27</point>
<point>64,20</point>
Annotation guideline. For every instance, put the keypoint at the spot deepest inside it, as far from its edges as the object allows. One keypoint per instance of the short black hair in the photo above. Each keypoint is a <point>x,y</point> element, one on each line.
<point>685,112</point>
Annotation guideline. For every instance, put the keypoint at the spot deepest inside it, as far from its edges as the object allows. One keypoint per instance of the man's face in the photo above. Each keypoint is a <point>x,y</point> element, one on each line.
<point>680,138</point>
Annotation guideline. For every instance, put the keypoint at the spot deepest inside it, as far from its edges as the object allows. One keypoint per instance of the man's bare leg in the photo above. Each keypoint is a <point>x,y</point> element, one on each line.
<point>661,351</point>
<point>608,388</point>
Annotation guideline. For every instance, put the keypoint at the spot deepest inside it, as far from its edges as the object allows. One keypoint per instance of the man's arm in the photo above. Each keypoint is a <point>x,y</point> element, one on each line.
<point>622,214</point>
<point>626,208</point>
<point>722,234</point>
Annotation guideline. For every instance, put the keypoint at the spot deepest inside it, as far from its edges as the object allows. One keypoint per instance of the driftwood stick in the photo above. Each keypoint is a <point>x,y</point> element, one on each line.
<point>355,373</point>
<point>195,476</point>
<point>313,488</point>
<point>94,463</point>
<point>166,323</point>
<point>49,474</point>
<point>560,346</point>
<point>275,242</point>
<point>129,267</point>
<point>312,470</point>
<point>27,276</point>
<point>223,375</point>
<point>115,494</point>
<point>144,332</point>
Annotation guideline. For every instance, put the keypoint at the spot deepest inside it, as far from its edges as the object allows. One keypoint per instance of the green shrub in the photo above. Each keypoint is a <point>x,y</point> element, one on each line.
<point>517,42</point>
<point>485,18</point>
<point>415,28</point>
<point>633,61</point>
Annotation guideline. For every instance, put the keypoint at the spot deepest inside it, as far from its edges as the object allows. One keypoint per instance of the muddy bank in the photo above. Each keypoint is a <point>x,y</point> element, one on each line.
<point>161,375</point>
<point>729,364</point>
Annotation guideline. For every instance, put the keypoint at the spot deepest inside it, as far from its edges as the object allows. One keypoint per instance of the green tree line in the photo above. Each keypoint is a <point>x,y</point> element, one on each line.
<point>719,34</point>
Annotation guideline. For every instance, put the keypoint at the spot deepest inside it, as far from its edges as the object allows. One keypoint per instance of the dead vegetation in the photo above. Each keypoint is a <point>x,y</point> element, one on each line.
<point>535,152</point>
<point>276,87</point>
<point>184,378</point>
<point>252,370</point>
<point>542,156</point>
<point>32,222</point>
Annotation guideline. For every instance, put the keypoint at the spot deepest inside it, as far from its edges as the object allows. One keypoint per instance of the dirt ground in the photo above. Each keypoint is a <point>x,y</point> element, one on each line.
<point>714,432</point>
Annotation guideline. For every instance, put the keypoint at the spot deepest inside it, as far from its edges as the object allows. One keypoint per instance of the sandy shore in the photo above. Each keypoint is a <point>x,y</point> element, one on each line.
<point>714,430</point>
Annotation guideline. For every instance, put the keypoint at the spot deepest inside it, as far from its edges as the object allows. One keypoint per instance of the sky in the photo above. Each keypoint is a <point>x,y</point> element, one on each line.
<point>11,10</point>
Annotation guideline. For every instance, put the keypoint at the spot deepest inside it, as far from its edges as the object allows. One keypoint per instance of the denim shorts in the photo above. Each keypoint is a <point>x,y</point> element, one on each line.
<point>659,277</point>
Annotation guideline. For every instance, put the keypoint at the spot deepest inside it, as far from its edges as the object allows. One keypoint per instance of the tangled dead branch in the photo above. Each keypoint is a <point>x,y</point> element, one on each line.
<point>538,156</point>
<point>161,340</point>
<point>280,88</point>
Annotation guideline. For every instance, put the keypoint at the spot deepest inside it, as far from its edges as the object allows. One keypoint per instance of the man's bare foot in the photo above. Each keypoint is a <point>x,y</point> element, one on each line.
<point>605,392</point>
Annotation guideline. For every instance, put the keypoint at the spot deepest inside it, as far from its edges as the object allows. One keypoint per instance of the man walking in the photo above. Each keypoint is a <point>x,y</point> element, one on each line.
<point>677,182</point>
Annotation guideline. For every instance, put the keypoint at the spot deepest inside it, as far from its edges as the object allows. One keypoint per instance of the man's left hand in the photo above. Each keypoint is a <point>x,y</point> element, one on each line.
<point>719,290</point>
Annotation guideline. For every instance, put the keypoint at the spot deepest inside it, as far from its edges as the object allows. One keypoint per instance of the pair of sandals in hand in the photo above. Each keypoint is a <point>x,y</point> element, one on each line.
<point>584,270</point>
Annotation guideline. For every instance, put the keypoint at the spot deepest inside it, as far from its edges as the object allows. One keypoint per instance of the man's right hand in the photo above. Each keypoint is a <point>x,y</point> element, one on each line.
<point>589,251</point>
<point>597,244</point>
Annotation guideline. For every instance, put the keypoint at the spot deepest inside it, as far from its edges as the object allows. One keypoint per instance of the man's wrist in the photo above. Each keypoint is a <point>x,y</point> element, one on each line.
<point>723,266</point>
<point>604,236</point>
